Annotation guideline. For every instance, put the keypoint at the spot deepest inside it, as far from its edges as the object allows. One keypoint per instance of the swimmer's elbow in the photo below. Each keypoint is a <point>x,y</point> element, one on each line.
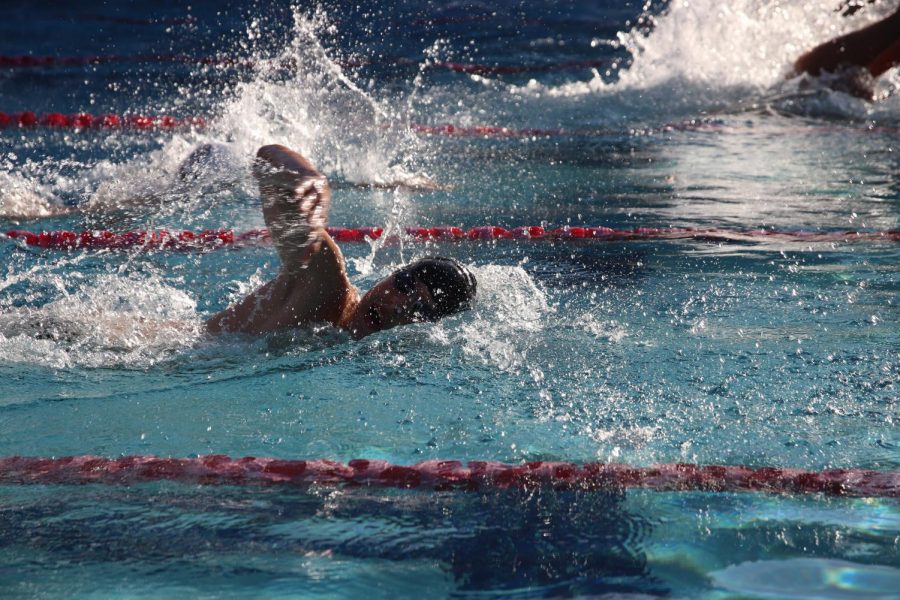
<point>270,152</point>
<point>283,158</point>
<point>213,325</point>
<point>221,322</point>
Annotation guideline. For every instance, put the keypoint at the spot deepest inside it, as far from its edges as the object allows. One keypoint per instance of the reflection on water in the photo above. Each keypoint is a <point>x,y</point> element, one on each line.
<point>505,542</point>
<point>805,577</point>
<point>173,539</point>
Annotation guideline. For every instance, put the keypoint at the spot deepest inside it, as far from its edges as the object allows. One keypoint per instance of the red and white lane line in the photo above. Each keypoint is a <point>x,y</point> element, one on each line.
<point>164,239</point>
<point>446,475</point>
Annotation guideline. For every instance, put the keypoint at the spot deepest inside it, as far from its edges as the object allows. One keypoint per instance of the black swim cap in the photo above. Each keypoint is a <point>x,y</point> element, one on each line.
<point>452,285</point>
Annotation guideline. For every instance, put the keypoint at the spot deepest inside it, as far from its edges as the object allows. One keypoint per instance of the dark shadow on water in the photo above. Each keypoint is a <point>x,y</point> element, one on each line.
<point>501,543</point>
<point>569,265</point>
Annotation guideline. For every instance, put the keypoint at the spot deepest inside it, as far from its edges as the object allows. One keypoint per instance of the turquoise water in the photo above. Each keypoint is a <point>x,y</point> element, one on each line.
<point>767,353</point>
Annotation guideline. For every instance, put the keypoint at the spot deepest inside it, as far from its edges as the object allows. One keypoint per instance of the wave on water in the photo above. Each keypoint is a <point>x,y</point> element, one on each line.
<point>23,199</point>
<point>509,315</point>
<point>302,97</point>
<point>708,56</point>
<point>111,321</point>
<point>699,58</point>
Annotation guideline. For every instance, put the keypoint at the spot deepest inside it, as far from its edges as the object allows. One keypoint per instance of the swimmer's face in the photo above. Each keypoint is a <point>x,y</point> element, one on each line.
<point>399,299</point>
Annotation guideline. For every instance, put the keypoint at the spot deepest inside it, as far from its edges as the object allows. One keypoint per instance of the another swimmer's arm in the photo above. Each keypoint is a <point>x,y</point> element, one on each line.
<point>295,200</point>
<point>888,59</point>
<point>861,48</point>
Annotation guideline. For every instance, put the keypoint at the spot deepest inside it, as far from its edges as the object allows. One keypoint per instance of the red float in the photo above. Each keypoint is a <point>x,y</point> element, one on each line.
<point>88,121</point>
<point>138,122</point>
<point>447,475</point>
<point>216,238</point>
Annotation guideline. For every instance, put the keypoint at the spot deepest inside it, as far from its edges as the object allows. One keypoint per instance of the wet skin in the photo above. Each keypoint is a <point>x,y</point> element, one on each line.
<point>312,285</point>
<point>875,48</point>
<point>385,306</point>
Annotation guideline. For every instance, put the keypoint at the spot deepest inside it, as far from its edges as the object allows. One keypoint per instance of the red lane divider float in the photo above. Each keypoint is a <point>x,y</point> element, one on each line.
<point>446,475</point>
<point>714,125</point>
<point>26,61</point>
<point>218,238</point>
<point>81,121</point>
<point>29,119</point>
<point>164,239</point>
<point>494,131</point>
<point>483,69</point>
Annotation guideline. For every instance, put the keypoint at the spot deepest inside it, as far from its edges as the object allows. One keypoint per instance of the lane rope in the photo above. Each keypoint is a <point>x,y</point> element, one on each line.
<point>711,125</point>
<point>29,119</point>
<point>84,121</point>
<point>220,238</point>
<point>447,475</point>
<point>27,61</point>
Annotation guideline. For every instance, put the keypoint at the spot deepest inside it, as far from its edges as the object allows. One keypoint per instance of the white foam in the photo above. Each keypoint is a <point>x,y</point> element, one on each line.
<point>701,56</point>
<point>707,55</point>
<point>113,320</point>
<point>302,98</point>
<point>22,198</point>
<point>600,328</point>
<point>150,181</point>
<point>509,310</point>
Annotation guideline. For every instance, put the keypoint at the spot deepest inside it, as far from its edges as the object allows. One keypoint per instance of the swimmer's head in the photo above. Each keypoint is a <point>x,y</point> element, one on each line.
<point>426,290</point>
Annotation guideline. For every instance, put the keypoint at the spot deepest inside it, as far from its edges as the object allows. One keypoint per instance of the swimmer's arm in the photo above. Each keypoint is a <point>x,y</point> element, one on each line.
<point>248,315</point>
<point>284,159</point>
<point>860,48</point>
<point>885,61</point>
<point>295,198</point>
<point>320,293</point>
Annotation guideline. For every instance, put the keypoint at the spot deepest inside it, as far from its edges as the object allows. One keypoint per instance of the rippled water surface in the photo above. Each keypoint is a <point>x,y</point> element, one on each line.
<point>765,352</point>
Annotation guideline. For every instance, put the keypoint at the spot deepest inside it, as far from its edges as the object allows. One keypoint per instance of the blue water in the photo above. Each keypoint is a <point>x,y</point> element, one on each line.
<point>770,353</point>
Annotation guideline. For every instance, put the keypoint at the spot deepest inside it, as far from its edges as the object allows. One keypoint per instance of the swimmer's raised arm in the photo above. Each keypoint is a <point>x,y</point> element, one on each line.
<point>282,157</point>
<point>295,199</point>
<point>312,286</point>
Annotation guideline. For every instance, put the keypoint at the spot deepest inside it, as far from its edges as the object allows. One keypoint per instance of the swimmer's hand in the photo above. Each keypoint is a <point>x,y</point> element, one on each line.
<point>295,200</point>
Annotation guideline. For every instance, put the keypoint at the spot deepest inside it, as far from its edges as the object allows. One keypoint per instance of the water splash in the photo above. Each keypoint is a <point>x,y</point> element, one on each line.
<point>21,198</point>
<point>511,312</point>
<point>126,321</point>
<point>707,56</point>
<point>302,97</point>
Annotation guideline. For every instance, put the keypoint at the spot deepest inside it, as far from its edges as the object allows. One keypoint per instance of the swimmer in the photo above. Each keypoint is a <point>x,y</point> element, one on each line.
<point>852,62</point>
<point>312,285</point>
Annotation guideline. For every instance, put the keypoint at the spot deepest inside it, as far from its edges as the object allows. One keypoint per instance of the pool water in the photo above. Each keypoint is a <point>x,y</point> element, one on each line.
<point>773,352</point>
